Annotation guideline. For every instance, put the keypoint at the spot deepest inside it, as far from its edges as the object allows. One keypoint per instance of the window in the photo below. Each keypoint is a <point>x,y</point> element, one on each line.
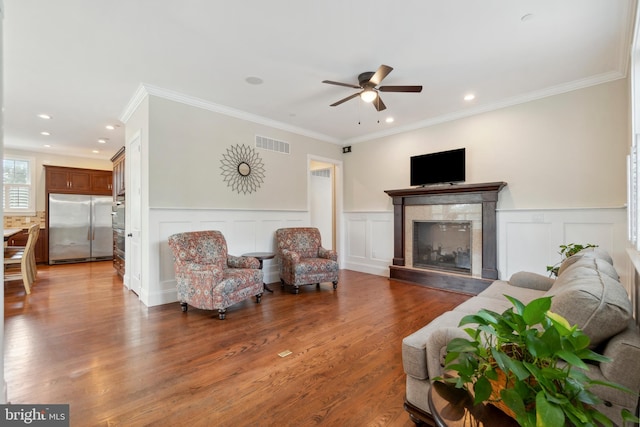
<point>18,174</point>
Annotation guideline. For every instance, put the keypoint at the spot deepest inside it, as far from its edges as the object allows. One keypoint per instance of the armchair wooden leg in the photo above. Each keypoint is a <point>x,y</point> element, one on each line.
<point>335,285</point>
<point>222,313</point>
<point>258,298</point>
<point>184,306</point>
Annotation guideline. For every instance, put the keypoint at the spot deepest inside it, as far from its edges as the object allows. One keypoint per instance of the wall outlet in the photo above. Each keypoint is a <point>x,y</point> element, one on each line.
<point>27,219</point>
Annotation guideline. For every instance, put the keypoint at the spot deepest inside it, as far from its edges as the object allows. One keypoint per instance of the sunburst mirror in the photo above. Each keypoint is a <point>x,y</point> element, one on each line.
<point>242,169</point>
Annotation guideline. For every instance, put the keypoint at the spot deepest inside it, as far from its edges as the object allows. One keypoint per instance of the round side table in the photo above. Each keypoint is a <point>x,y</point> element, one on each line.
<point>261,256</point>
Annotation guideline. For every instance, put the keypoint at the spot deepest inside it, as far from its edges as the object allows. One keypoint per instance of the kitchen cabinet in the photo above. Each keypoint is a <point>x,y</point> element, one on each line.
<point>101,182</point>
<point>118,160</point>
<point>40,250</point>
<point>78,181</point>
<point>118,173</point>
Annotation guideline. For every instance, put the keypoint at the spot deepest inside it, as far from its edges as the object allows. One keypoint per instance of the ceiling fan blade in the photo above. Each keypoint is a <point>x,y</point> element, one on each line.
<point>379,104</point>
<point>341,84</point>
<point>345,99</point>
<point>380,74</point>
<point>400,88</point>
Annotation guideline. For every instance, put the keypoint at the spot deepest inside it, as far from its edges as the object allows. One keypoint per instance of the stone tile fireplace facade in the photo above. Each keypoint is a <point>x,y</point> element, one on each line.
<point>423,253</point>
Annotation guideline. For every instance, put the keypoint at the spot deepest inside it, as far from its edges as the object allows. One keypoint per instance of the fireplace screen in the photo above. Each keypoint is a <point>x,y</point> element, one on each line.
<point>443,245</point>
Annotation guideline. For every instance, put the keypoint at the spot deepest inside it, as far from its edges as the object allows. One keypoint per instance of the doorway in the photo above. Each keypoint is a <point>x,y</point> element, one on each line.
<point>324,199</point>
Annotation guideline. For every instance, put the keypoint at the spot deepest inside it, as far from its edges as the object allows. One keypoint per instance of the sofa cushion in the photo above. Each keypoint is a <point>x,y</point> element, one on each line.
<point>587,296</point>
<point>500,288</point>
<point>591,253</point>
<point>584,267</point>
<point>525,279</point>
<point>477,303</point>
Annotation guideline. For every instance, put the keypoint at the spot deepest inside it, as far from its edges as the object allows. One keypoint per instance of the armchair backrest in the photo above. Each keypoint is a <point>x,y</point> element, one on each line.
<point>200,247</point>
<point>303,240</point>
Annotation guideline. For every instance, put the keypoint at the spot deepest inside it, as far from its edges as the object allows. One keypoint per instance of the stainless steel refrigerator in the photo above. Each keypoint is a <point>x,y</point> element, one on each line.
<point>79,228</point>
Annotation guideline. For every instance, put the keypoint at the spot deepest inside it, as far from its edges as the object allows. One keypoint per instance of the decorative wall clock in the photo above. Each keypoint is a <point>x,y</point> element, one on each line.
<point>242,169</point>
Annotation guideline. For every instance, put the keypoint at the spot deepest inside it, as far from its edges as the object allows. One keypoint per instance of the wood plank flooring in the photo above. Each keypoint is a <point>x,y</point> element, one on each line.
<point>82,338</point>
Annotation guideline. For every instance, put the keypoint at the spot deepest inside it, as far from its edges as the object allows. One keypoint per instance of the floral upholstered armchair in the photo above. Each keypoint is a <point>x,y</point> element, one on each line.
<point>208,277</point>
<point>303,260</point>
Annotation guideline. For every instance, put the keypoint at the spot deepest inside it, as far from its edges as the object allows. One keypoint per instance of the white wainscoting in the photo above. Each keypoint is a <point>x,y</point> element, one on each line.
<point>244,231</point>
<point>368,242</point>
<point>528,239</point>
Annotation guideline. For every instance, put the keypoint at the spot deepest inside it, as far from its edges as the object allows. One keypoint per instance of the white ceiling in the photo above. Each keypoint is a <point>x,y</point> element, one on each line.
<point>82,61</point>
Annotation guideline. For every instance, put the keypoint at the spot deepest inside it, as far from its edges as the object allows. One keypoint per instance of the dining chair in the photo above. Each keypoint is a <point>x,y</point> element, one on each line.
<point>20,261</point>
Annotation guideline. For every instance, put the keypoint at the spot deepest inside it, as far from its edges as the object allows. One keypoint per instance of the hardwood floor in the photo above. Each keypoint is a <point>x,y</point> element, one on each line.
<point>82,338</point>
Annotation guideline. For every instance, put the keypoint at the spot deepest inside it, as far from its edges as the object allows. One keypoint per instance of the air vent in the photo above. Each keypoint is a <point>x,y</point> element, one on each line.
<point>324,173</point>
<point>272,144</point>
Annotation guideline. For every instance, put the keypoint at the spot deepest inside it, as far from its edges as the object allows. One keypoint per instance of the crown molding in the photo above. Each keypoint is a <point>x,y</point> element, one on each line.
<point>521,99</point>
<point>138,96</point>
<point>628,37</point>
<point>145,89</point>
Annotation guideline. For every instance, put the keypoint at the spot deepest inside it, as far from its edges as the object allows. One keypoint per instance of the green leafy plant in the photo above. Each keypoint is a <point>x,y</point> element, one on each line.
<point>540,361</point>
<point>565,252</point>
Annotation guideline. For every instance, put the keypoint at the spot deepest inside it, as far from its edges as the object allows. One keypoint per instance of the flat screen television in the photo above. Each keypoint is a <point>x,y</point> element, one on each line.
<point>438,168</point>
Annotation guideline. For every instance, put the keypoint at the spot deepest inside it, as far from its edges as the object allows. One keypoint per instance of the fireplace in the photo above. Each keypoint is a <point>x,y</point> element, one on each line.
<point>467,260</point>
<point>442,245</point>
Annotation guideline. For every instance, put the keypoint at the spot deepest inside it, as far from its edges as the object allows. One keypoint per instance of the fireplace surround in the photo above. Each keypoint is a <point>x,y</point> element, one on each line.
<point>472,204</point>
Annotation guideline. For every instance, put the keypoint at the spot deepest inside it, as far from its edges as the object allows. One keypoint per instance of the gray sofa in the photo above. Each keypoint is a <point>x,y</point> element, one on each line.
<point>587,292</point>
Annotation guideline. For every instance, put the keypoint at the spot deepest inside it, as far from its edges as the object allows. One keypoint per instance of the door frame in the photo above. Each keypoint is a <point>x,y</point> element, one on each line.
<point>337,194</point>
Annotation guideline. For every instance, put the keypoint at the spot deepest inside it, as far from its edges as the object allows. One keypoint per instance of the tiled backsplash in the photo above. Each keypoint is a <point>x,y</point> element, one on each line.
<point>21,221</point>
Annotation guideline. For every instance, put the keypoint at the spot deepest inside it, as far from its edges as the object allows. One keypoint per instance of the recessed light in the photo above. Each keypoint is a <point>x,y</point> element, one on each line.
<point>110,127</point>
<point>45,133</point>
<point>47,145</point>
<point>95,151</point>
<point>389,120</point>
<point>252,80</point>
<point>103,140</point>
<point>44,116</point>
<point>469,97</point>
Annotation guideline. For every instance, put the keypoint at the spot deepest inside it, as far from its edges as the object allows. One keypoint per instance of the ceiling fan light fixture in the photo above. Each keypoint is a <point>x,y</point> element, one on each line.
<point>368,95</point>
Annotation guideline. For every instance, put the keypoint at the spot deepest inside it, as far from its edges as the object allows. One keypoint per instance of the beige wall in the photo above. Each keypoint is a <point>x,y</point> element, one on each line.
<point>56,160</point>
<point>186,145</point>
<point>566,151</point>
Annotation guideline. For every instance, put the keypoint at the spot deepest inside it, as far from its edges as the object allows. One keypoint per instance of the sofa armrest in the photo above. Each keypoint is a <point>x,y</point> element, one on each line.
<point>437,348</point>
<point>327,253</point>
<point>289,256</point>
<point>242,262</point>
<point>525,279</point>
<point>425,345</point>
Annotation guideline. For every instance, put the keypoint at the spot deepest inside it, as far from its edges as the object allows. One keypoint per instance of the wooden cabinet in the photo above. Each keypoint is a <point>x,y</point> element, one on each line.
<point>118,173</point>
<point>101,182</point>
<point>78,181</point>
<point>20,239</point>
<point>118,252</point>
<point>119,198</point>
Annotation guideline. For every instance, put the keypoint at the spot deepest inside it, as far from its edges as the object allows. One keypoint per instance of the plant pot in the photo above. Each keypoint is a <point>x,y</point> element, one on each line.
<point>496,387</point>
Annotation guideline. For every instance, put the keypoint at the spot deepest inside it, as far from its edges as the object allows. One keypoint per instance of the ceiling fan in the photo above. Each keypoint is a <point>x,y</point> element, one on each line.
<point>368,81</point>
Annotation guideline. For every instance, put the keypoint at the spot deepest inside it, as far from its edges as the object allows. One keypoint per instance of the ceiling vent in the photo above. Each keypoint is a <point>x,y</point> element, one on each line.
<point>272,144</point>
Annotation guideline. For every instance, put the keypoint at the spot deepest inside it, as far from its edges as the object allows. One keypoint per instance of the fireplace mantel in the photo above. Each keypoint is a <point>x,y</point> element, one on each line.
<point>485,194</point>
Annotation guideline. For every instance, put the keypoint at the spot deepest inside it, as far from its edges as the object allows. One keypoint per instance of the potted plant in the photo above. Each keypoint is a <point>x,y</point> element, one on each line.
<point>531,363</point>
<point>565,252</point>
